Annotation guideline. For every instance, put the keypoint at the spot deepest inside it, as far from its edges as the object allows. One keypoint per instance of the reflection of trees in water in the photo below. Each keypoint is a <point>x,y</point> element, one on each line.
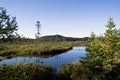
<point>15,59</point>
<point>57,57</point>
<point>25,60</point>
<point>38,61</point>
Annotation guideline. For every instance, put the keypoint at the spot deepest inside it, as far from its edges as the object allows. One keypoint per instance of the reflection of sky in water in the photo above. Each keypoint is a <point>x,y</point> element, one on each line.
<point>70,56</point>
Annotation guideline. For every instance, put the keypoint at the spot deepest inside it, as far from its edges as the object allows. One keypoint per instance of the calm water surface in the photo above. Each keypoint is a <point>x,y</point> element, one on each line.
<point>72,55</point>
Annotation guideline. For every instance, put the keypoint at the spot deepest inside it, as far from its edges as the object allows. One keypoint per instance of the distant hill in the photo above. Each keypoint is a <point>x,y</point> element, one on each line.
<point>61,38</point>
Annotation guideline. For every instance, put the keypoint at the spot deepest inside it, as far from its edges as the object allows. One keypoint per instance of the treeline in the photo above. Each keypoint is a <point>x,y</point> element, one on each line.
<point>61,38</point>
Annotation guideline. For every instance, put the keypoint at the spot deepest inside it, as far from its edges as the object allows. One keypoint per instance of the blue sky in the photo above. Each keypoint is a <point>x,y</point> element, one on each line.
<point>76,18</point>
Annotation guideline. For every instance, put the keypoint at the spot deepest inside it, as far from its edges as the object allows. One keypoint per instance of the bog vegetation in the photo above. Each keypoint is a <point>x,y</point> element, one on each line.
<point>39,49</point>
<point>101,63</point>
<point>26,71</point>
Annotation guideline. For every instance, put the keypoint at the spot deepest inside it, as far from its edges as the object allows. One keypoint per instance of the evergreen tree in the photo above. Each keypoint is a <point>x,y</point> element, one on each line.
<point>8,25</point>
<point>112,48</point>
<point>103,58</point>
<point>95,57</point>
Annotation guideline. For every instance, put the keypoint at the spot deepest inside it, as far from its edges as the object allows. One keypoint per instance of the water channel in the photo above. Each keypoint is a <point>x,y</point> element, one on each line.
<point>72,55</point>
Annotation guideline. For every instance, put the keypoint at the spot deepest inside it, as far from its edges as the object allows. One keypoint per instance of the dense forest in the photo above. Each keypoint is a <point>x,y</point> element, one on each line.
<point>61,38</point>
<point>102,61</point>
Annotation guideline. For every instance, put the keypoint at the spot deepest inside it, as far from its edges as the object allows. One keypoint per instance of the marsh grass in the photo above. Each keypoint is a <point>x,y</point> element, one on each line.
<point>43,48</point>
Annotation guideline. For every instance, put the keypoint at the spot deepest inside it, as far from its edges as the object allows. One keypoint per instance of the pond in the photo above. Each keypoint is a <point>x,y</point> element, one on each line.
<point>72,55</point>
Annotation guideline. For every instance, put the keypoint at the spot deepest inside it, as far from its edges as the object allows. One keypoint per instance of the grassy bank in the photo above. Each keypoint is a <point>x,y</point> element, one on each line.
<point>43,48</point>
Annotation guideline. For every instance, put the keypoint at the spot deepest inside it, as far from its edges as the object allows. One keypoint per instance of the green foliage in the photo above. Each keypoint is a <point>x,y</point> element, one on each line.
<point>103,55</point>
<point>26,71</point>
<point>112,39</point>
<point>102,61</point>
<point>8,25</point>
<point>73,71</point>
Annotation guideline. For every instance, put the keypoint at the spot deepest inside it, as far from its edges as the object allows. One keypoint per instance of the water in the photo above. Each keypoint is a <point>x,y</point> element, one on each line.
<point>66,57</point>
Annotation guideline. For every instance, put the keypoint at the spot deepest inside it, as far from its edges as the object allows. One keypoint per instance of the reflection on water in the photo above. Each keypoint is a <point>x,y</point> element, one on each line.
<point>70,56</point>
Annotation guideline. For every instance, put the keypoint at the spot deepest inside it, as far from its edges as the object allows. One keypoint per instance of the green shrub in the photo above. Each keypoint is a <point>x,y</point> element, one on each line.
<point>26,71</point>
<point>74,71</point>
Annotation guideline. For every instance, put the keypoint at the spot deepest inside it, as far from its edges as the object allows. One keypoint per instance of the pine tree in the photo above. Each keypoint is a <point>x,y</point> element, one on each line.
<point>103,58</point>
<point>8,25</point>
<point>112,48</point>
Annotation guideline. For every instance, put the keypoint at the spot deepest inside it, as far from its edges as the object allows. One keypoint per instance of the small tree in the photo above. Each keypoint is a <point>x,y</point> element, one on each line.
<point>37,35</point>
<point>8,25</point>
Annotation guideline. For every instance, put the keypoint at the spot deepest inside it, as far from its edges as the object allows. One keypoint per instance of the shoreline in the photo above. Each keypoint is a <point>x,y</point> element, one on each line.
<point>33,52</point>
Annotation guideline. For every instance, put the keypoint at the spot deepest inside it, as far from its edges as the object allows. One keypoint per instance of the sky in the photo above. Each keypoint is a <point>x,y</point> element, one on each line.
<point>73,18</point>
